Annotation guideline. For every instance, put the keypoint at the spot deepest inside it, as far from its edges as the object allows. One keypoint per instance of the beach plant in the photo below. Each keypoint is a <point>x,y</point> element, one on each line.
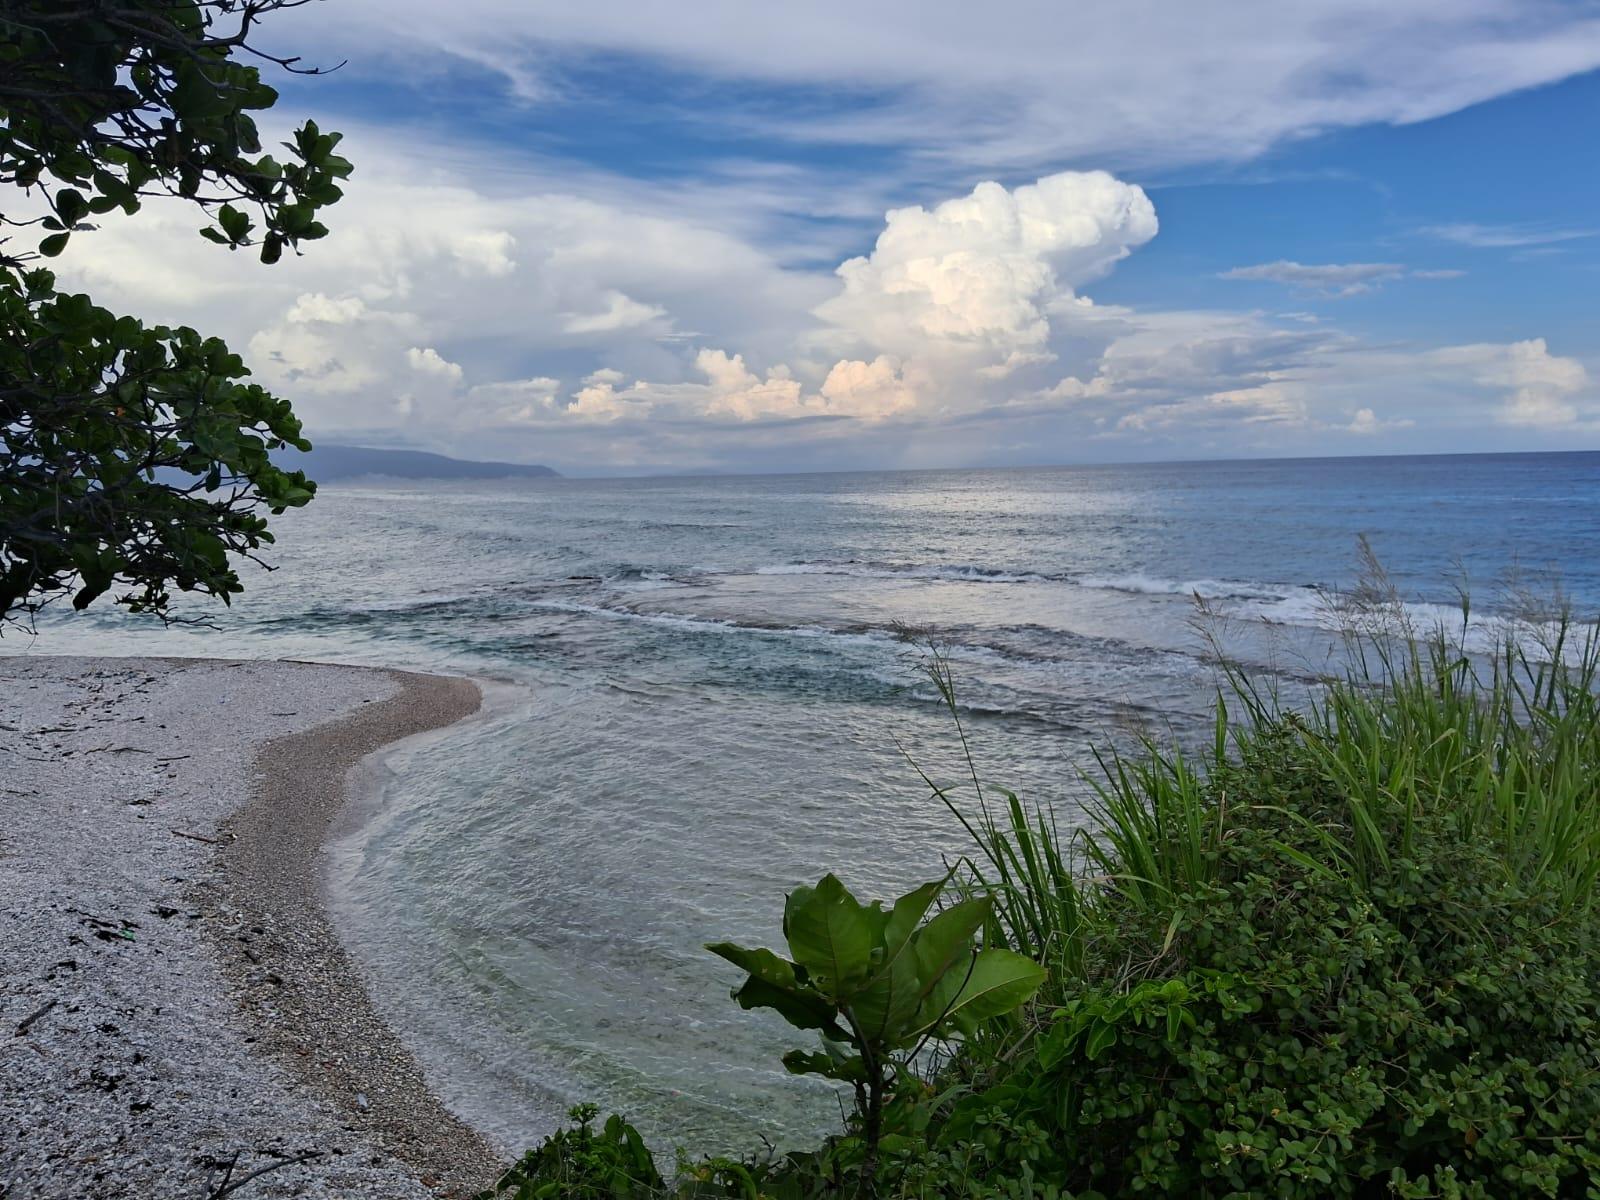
<point>138,457</point>
<point>583,1163</point>
<point>877,984</point>
<point>1344,948</point>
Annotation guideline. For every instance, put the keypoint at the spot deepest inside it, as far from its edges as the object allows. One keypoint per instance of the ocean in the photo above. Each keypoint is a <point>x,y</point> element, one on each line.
<point>711,691</point>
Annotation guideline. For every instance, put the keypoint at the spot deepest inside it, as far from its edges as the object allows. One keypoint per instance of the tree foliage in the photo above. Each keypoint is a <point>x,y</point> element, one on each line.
<point>130,455</point>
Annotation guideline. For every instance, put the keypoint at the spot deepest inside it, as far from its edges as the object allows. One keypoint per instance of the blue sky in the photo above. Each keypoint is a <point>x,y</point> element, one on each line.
<point>634,237</point>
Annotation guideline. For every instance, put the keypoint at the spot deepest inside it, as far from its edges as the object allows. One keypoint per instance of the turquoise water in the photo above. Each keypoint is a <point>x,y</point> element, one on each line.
<point>713,679</point>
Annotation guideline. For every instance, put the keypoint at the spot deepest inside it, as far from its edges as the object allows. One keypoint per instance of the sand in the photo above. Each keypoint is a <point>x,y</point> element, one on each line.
<point>176,1011</point>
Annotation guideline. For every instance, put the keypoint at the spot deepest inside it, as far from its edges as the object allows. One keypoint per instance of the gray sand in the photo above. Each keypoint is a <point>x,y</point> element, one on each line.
<point>173,1002</point>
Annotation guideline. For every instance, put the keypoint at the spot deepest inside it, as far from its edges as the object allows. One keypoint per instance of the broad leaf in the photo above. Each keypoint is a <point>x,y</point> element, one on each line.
<point>996,982</point>
<point>947,939</point>
<point>848,1068</point>
<point>908,913</point>
<point>889,1000</point>
<point>803,1009</point>
<point>830,934</point>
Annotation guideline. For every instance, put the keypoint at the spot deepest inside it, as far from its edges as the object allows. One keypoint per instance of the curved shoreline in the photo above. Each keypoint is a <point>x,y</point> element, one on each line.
<point>293,978</point>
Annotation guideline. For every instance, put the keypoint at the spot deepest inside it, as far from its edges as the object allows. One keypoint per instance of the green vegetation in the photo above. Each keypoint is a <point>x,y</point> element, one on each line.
<point>1350,950</point>
<point>134,456</point>
<point>880,985</point>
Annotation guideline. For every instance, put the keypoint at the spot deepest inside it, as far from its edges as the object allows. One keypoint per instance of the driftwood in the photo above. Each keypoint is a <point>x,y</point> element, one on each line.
<point>27,1022</point>
<point>227,1185</point>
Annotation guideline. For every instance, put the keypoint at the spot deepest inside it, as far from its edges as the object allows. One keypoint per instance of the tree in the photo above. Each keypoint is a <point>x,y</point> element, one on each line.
<point>138,457</point>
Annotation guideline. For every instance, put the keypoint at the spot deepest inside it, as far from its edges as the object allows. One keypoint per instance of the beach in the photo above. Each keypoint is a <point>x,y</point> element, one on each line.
<point>176,1011</point>
<point>709,683</point>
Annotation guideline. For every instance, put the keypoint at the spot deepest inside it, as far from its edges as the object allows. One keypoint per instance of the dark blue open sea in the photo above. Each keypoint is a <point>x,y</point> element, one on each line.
<point>709,679</point>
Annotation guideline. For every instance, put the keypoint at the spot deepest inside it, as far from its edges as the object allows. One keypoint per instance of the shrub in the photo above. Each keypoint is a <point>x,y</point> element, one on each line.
<point>580,1164</point>
<point>1352,951</point>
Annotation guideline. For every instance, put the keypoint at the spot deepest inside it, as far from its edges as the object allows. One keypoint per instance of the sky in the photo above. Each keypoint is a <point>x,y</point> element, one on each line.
<point>640,237</point>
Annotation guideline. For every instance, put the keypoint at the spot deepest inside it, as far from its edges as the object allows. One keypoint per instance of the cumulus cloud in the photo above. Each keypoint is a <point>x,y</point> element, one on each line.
<point>972,277</point>
<point>429,362</point>
<point>1543,390</point>
<point>314,308</point>
<point>510,319</point>
<point>1365,423</point>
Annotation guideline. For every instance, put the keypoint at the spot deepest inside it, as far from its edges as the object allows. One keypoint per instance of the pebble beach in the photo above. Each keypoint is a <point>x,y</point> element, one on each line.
<point>177,1016</point>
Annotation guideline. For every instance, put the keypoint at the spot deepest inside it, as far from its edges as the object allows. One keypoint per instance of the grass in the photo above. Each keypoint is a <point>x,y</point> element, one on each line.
<point>1505,743</point>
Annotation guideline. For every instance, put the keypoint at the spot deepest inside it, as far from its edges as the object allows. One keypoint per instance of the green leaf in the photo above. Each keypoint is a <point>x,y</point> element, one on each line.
<point>234,223</point>
<point>71,207</point>
<point>801,1007</point>
<point>830,934</point>
<point>1101,1038</point>
<point>997,982</point>
<point>54,244</point>
<point>848,1068</point>
<point>889,1000</point>
<point>908,913</point>
<point>773,984</point>
<point>763,964</point>
<point>948,937</point>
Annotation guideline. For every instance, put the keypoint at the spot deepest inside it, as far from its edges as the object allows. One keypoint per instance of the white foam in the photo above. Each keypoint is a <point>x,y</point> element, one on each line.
<point>1206,589</point>
<point>955,574</point>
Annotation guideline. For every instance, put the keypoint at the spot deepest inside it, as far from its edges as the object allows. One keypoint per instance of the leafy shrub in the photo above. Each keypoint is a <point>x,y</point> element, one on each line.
<point>1353,951</point>
<point>1435,1031</point>
<point>878,985</point>
<point>580,1164</point>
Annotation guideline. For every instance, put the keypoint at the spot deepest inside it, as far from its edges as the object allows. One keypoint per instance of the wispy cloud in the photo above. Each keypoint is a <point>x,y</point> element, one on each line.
<point>1008,86</point>
<point>1499,236</point>
<point>1332,279</point>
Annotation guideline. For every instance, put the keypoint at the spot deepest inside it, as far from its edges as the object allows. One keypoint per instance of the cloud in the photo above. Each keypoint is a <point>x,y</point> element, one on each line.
<point>1497,236</point>
<point>1008,85</point>
<point>1366,423</point>
<point>1333,279</point>
<point>429,362</point>
<point>1543,390</point>
<point>440,313</point>
<point>869,390</point>
<point>621,312</point>
<point>973,278</point>
<point>314,308</point>
<point>1336,279</point>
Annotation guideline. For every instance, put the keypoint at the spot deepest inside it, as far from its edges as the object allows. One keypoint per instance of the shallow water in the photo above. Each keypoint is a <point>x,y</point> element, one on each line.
<point>714,680</point>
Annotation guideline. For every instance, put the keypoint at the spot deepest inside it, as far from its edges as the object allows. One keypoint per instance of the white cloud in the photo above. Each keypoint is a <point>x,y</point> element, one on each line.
<point>1543,390</point>
<point>1497,236</point>
<point>872,390</point>
<point>1366,423</point>
<point>429,362</point>
<point>314,308</point>
<point>621,312</point>
<point>1010,84</point>
<point>1334,279</point>
<point>972,278</point>
<point>442,315</point>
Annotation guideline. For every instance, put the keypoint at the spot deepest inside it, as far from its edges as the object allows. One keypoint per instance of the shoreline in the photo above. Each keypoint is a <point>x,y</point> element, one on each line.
<point>177,1007</point>
<point>304,993</point>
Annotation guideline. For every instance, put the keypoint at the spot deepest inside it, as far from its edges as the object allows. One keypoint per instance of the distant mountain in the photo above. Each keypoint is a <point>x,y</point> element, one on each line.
<point>329,464</point>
